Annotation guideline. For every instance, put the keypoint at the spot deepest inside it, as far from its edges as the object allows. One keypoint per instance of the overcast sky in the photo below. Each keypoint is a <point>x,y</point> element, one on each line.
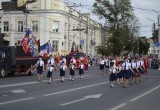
<point>146,18</point>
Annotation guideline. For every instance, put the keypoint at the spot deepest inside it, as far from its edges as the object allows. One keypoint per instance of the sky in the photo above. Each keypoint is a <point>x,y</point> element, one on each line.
<point>146,18</point>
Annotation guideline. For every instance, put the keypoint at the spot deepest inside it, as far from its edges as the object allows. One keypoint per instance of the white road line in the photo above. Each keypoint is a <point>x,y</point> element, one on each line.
<point>119,106</point>
<point>79,88</point>
<point>146,93</point>
<point>19,100</point>
<point>29,83</point>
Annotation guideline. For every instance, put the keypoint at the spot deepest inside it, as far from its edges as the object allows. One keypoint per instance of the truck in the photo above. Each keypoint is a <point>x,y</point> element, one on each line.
<point>13,60</point>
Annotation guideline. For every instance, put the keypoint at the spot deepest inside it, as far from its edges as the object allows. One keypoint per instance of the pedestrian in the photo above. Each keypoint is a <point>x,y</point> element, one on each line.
<point>112,77</point>
<point>40,68</point>
<point>102,65</point>
<point>81,69</point>
<point>63,68</point>
<point>49,74</point>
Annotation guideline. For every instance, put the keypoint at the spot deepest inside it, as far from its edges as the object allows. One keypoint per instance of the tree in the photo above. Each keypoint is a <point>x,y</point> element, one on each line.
<point>119,14</point>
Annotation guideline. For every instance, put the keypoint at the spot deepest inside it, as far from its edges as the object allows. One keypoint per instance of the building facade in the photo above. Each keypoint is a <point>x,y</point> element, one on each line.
<point>51,20</point>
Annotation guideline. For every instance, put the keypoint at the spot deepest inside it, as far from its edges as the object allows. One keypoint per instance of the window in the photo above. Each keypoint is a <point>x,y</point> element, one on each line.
<point>20,26</point>
<point>55,46</point>
<point>6,26</point>
<point>55,26</point>
<point>35,26</point>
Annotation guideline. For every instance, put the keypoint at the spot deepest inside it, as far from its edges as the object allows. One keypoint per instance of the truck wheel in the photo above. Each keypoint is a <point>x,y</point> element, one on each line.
<point>3,72</point>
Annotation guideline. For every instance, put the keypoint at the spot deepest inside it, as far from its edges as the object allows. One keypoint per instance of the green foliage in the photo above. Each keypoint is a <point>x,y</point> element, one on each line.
<point>122,25</point>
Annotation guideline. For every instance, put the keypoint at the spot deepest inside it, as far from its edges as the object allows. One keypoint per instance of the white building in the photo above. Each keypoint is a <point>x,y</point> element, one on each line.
<point>51,20</point>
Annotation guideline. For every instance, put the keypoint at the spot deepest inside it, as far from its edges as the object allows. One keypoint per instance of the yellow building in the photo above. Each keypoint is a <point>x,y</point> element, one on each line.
<point>51,20</point>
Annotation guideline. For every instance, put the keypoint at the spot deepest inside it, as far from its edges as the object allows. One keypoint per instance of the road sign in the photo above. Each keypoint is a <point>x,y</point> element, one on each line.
<point>82,42</point>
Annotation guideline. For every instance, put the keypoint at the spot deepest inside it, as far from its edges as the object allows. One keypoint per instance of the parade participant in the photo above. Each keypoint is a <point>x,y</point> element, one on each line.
<point>81,69</point>
<point>107,64</point>
<point>63,68</point>
<point>51,61</point>
<point>49,74</point>
<point>72,72</point>
<point>72,68</point>
<point>85,62</point>
<point>40,68</point>
<point>133,71</point>
<point>119,73</point>
<point>146,64</point>
<point>126,67</point>
<point>102,65</point>
<point>138,70</point>
<point>112,77</point>
<point>141,68</point>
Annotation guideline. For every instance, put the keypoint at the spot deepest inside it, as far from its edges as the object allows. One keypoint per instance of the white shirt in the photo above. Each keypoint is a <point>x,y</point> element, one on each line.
<point>51,61</point>
<point>118,68</point>
<point>50,68</point>
<point>133,65</point>
<point>73,60</point>
<point>81,66</point>
<point>141,63</point>
<point>40,63</point>
<point>137,64</point>
<point>102,62</point>
<point>72,67</point>
<point>64,60</point>
<point>107,62</point>
<point>125,66</point>
<point>63,67</point>
<point>113,70</point>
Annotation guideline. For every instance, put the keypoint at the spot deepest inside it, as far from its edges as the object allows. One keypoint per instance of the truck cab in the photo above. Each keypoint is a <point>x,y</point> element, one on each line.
<point>7,59</point>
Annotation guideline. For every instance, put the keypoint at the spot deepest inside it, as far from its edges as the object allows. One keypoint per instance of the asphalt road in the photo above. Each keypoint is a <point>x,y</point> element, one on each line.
<point>92,92</point>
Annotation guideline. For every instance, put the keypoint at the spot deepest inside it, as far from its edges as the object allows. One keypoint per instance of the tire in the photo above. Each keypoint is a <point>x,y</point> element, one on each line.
<point>3,72</point>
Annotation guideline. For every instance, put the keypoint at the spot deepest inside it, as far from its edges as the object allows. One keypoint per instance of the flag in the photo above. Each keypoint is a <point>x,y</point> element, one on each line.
<point>49,47</point>
<point>46,48</point>
<point>24,43</point>
<point>43,48</point>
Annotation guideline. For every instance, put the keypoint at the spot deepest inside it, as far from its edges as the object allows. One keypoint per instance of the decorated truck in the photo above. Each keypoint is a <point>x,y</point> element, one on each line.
<point>13,60</point>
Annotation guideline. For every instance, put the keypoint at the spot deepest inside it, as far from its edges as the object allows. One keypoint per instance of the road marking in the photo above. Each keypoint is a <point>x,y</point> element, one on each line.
<point>13,101</point>
<point>96,96</point>
<point>79,88</point>
<point>146,93</point>
<point>119,106</point>
<point>29,83</point>
<point>18,91</point>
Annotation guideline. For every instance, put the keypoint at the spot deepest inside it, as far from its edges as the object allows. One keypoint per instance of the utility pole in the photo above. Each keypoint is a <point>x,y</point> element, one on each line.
<point>1,37</point>
<point>158,19</point>
<point>87,35</point>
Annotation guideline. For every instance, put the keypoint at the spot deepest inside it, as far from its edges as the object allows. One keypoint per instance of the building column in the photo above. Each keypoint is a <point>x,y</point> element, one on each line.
<point>12,29</point>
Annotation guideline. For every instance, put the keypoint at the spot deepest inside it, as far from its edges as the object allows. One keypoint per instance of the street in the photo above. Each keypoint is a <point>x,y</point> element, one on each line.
<point>92,92</point>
